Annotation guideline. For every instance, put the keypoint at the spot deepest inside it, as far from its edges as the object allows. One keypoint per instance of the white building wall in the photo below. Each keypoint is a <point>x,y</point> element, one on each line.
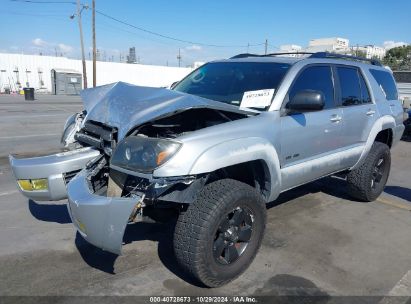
<point>290,48</point>
<point>335,42</point>
<point>107,72</point>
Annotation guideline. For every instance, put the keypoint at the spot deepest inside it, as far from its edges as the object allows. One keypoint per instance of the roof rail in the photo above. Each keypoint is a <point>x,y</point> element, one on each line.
<point>313,55</point>
<point>246,55</point>
<point>348,57</point>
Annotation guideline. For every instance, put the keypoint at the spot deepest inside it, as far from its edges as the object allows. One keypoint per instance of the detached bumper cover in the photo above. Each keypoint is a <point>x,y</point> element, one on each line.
<point>52,168</point>
<point>100,220</point>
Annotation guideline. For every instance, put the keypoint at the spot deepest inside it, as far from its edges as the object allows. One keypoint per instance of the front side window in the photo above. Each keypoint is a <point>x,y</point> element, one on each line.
<point>316,78</point>
<point>386,82</point>
<point>228,81</point>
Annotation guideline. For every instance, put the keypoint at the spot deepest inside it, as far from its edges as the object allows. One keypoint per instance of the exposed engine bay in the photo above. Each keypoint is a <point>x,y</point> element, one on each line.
<point>163,193</point>
<point>185,122</point>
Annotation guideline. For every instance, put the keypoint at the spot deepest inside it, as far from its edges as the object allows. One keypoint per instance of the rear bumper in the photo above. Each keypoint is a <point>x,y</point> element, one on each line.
<point>51,167</point>
<point>99,219</point>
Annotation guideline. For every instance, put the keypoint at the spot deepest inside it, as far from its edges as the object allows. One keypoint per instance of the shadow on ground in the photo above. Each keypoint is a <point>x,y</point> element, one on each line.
<point>401,192</point>
<point>163,233</point>
<point>57,213</point>
<point>95,257</point>
<point>333,186</point>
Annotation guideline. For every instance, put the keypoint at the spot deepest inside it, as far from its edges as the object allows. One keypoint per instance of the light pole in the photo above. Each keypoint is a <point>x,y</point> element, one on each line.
<point>179,58</point>
<point>94,44</point>
<point>80,8</point>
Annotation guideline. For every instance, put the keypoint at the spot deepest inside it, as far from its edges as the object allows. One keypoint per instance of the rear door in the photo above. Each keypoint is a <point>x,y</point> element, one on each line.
<point>307,139</point>
<point>359,112</point>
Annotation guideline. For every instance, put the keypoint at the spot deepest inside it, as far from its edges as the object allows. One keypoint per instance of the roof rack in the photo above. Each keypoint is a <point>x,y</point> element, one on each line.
<point>246,55</point>
<point>313,55</point>
<point>348,57</point>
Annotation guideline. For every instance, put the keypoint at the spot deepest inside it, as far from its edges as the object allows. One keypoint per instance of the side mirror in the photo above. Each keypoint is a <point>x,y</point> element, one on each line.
<point>173,84</point>
<point>306,101</point>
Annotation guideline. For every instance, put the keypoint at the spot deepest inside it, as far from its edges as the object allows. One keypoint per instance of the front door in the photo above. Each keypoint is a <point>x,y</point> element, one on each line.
<point>309,139</point>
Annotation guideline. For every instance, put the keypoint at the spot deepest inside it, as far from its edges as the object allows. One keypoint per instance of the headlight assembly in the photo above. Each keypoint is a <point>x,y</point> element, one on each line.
<point>143,154</point>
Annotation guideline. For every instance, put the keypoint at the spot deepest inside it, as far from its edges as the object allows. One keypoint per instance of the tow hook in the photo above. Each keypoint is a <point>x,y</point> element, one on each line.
<point>137,213</point>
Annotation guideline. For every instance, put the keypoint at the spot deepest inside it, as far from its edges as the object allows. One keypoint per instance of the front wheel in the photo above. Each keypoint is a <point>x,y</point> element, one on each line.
<point>219,234</point>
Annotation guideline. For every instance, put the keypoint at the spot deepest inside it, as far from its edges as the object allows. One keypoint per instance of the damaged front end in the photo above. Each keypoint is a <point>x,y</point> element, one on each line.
<point>124,134</point>
<point>103,200</point>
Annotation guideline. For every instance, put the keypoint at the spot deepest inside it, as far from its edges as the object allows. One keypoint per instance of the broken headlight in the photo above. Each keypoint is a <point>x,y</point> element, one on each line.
<point>143,154</point>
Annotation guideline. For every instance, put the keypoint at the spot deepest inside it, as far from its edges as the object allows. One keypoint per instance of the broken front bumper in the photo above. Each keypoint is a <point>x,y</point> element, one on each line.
<point>52,168</point>
<point>101,220</point>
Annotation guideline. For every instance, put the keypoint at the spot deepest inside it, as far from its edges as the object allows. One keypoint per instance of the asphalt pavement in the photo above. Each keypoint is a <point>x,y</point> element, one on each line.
<point>318,240</point>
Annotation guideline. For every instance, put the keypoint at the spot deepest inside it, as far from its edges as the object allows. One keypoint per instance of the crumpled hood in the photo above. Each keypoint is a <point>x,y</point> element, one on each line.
<point>126,106</point>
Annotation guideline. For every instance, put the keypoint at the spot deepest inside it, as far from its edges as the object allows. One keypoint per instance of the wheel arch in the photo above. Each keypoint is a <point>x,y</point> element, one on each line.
<point>245,154</point>
<point>382,131</point>
<point>254,173</point>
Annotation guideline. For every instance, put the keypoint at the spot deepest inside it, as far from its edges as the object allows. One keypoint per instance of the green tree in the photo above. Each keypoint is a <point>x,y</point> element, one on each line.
<point>398,58</point>
<point>359,53</point>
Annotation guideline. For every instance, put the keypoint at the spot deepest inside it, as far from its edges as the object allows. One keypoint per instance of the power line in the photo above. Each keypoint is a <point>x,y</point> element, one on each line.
<point>45,2</point>
<point>143,29</point>
<point>169,37</point>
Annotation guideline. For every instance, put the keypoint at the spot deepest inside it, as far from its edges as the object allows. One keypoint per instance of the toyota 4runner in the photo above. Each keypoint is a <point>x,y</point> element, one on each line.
<point>215,148</point>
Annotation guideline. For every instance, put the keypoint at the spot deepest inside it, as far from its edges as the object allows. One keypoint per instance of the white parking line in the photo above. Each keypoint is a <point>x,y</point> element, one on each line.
<point>401,292</point>
<point>8,192</point>
<point>403,287</point>
<point>32,116</point>
<point>28,136</point>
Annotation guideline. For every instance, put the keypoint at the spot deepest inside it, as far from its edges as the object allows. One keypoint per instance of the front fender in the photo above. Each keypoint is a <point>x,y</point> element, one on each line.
<point>238,151</point>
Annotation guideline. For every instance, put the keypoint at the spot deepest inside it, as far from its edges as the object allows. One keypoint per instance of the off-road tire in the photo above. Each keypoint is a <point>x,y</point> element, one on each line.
<point>360,180</point>
<point>194,236</point>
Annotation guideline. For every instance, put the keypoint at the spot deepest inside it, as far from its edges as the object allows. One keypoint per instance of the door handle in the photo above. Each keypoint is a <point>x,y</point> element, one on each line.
<point>370,112</point>
<point>336,118</point>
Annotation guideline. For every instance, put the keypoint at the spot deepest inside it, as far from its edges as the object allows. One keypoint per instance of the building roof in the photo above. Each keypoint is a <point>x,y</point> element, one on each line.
<point>67,71</point>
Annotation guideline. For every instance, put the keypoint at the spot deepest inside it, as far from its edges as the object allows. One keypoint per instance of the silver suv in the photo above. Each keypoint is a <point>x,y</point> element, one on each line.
<point>215,148</point>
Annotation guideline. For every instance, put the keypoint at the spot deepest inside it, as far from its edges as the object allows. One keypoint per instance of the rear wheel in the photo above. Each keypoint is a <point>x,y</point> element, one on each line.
<point>367,182</point>
<point>218,236</point>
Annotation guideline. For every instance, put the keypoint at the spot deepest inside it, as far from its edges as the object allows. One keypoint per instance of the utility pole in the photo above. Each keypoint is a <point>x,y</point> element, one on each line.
<point>266,46</point>
<point>179,58</point>
<point>94,44</point>
<point>80,8</point>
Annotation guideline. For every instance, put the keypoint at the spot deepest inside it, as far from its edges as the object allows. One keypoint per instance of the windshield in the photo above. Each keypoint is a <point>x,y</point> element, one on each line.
<point>227,81</point>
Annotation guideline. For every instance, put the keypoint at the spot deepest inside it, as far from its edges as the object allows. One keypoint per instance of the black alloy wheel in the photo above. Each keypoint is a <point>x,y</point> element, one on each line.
<point>233,235</point>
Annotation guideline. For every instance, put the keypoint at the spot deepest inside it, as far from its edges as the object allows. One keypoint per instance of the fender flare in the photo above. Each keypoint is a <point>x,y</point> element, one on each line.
<point>383,123</point>
<point>238,151</point>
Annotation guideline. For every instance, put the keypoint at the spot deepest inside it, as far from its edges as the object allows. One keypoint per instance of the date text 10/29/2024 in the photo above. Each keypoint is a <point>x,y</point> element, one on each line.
<point>205,299</point>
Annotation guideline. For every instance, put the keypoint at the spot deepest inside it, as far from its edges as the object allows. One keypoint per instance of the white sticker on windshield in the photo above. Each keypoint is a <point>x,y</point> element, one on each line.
<point>257,99</point>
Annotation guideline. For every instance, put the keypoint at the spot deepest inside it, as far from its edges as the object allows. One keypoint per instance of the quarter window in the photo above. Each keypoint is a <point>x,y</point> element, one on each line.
<point>317,78</point>
<point>386,82</point>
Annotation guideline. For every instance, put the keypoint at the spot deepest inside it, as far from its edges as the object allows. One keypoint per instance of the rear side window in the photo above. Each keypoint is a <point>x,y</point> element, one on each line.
<point>365,94</point>
<point>386,83</point>
<point>350,86</point>
<point>354,90</point>
<point>317,78</point>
